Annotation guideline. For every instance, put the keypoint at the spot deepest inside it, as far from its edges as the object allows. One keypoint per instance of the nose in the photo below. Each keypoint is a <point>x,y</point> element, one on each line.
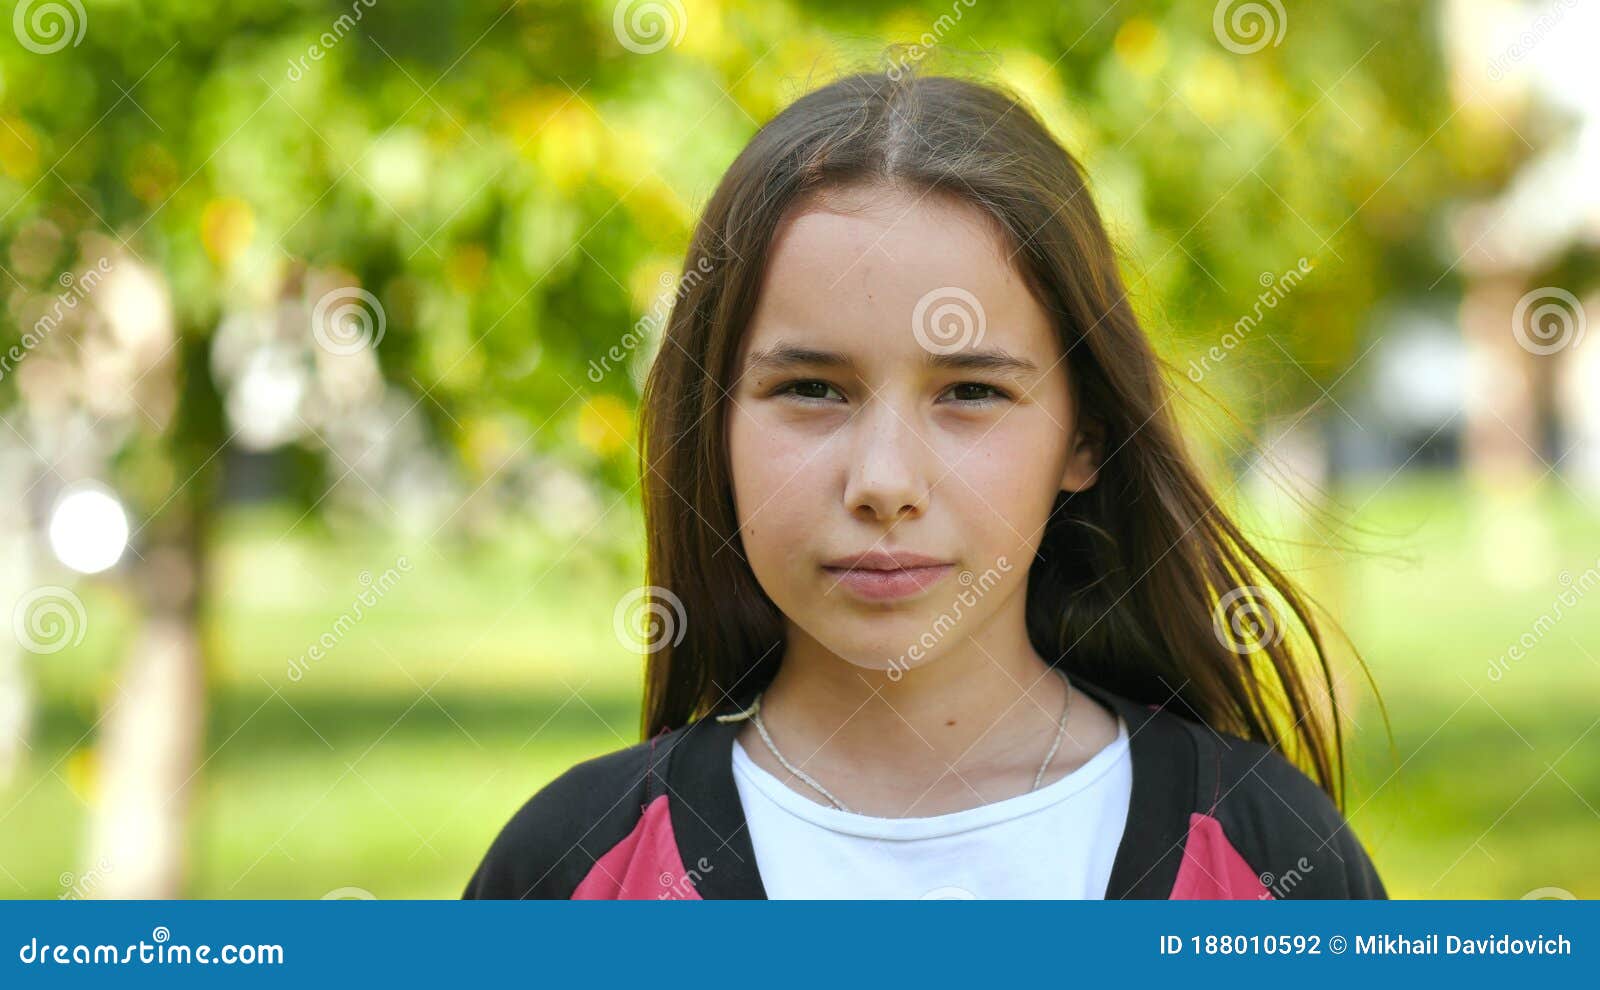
<point>889,466</point>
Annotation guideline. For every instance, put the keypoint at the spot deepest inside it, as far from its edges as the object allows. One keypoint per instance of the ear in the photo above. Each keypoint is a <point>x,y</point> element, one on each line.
<point>1083,461</point>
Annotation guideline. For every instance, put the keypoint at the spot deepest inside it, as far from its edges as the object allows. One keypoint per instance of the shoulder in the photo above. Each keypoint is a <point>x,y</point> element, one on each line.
<point>552,842</point>
<point>1281,822</point>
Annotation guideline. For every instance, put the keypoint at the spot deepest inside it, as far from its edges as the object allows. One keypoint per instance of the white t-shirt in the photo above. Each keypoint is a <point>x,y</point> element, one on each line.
<point>1056,843</point>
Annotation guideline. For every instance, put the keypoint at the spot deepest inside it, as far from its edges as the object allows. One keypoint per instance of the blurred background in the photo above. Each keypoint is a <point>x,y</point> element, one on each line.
<point>322,326</point>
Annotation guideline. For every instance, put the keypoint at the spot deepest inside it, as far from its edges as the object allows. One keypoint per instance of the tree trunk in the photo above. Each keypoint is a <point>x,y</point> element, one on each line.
<point>151,738</point>
<point>1504,430</point>
<point>152,735</point>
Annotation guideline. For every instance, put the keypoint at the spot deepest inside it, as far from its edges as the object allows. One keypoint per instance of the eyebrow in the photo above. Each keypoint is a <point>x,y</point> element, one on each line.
<point>784,355</point>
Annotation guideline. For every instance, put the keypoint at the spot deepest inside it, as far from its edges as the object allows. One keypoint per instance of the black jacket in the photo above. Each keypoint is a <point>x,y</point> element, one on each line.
<point>1211,816</point>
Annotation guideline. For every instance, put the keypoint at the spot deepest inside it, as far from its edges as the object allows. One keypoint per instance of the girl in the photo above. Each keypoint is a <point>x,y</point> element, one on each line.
<point>960,616</point>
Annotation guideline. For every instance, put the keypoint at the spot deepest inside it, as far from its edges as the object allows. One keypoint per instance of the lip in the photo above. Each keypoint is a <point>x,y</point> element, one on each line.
<point>885,575</point>
<point>884,560</point>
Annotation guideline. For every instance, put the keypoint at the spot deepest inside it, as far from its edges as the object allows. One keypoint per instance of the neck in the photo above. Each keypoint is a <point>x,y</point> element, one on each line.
<point>962,728</point>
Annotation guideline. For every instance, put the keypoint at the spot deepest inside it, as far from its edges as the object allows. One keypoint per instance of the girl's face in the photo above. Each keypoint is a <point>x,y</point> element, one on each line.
<point>899,392</point>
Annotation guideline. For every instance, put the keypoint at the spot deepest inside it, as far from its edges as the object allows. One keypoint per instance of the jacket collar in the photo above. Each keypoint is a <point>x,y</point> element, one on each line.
<point>707,817</point>
<point>714,839</point>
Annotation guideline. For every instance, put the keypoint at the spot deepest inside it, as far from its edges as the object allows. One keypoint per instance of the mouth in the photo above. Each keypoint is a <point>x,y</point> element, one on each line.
<point>885,584</point>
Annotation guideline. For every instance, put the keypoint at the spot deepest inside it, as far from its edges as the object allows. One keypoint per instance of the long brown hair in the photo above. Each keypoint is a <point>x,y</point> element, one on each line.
<point>1143,585</point>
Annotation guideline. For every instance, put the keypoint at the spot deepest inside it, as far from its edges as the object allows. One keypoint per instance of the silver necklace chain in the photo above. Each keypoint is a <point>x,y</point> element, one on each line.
<point>753,713</point>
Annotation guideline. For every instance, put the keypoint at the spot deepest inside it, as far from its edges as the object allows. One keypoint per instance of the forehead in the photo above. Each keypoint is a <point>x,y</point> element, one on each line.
<point>889,275</point>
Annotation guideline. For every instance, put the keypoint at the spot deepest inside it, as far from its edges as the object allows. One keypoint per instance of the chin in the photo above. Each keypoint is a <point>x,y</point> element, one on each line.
<point>886,645</point>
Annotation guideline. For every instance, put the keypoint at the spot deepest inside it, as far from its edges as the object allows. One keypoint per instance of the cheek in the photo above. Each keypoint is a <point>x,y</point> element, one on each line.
<point>1005,488</point>
<point>776,478</point>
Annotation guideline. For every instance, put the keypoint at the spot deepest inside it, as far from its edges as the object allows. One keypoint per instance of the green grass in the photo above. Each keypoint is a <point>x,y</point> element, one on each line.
<point>1495,790</point>
<point>354,777</point>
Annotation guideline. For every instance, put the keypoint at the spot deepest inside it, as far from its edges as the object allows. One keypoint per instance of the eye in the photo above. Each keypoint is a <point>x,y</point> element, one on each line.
<point>978,393</point>
<point>805,390</point>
